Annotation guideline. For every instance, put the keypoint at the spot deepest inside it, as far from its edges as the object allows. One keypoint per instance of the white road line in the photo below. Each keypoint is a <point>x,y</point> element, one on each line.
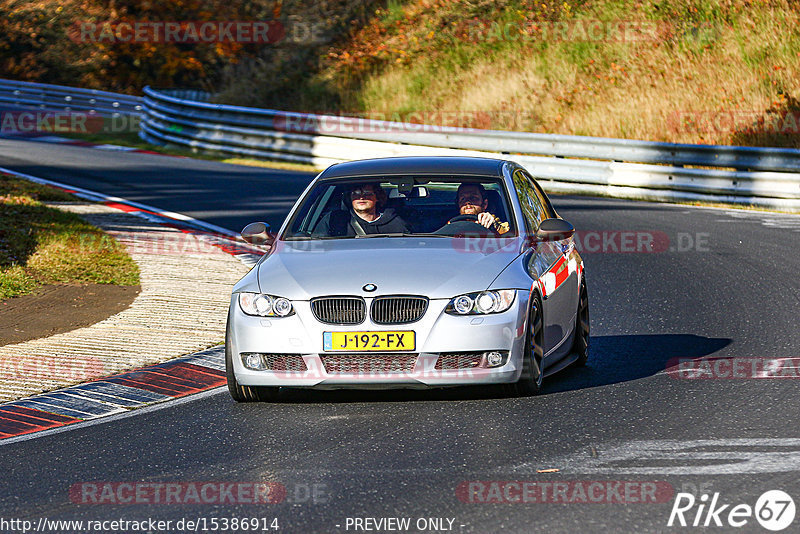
<point>689,457</point>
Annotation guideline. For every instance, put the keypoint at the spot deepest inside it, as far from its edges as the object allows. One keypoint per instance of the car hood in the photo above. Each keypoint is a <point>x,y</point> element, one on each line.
<point>434,267</point>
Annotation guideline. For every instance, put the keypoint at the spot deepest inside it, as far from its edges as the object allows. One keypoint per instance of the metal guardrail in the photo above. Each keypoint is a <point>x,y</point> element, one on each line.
<point>48,97</point>
<point>740,158</point>
<point>616,167</point>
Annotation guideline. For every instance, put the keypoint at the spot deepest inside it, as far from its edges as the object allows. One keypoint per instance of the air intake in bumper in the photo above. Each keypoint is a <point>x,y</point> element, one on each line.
<point>258,361</point>
<point>369,364</point>
<point>459,360</point>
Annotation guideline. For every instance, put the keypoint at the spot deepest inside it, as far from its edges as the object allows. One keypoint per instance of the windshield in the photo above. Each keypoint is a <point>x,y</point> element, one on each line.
<point>452,206</point>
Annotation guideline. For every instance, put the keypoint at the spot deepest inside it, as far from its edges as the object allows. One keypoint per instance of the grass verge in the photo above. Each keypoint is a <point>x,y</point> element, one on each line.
<point>687,71</point>
<point>43,245</point>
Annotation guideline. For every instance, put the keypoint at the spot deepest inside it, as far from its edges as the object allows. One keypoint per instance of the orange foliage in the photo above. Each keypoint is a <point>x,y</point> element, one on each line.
<point>41,41</point>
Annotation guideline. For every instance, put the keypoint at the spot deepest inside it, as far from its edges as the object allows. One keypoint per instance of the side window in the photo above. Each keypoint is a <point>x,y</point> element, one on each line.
<point>532,208</point>
<point>316,203</point>
<point>551,213</point>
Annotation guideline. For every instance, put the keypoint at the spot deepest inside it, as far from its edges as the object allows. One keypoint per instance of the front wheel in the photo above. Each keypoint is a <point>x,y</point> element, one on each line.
<point>580,346</point>
<point>239,392</point>
<point>530,381</point>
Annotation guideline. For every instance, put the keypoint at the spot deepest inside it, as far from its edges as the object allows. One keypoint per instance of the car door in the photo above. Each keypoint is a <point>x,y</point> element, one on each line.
<point>550,264</point>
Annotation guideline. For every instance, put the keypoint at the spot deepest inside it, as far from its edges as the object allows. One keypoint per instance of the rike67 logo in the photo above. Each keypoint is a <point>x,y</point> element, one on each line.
<point>774,510</point>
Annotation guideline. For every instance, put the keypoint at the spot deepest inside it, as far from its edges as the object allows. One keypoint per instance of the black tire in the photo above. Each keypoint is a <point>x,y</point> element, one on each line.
<point>580,345</point>
<point>241,393</point>
<point>530,381</point>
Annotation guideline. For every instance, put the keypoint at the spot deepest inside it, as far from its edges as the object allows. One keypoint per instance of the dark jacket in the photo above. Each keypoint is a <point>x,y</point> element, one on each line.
<point>340,223</point>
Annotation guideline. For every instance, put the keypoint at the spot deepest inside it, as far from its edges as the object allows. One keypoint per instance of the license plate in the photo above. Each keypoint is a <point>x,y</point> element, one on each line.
<point>368,341</point>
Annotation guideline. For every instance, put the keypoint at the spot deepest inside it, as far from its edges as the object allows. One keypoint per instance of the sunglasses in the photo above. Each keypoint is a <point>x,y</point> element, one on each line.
<point>362,193</point>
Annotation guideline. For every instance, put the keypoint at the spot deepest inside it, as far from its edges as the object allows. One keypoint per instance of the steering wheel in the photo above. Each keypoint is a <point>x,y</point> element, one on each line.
<point>465,225</point>
<point>460,218</point>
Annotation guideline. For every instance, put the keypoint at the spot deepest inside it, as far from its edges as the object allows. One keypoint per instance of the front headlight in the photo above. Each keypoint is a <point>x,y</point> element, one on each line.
<point>265,305</point>
<point>484,302</point>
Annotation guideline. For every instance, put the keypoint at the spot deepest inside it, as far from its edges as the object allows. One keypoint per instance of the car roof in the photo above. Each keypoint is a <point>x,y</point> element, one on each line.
<point>433,165</point>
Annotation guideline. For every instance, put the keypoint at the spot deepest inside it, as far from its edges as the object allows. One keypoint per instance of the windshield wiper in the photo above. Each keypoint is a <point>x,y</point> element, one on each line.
<point>314,237</point>
<point>400,234</point>
<point>379,235</point>
<point>427,235</point>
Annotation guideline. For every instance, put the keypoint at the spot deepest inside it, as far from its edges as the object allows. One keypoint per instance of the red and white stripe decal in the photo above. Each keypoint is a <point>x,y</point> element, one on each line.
<point>558,274</point>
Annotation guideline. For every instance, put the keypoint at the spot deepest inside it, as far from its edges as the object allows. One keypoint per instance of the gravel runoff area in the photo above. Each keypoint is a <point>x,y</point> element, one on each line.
<point>185,291</point>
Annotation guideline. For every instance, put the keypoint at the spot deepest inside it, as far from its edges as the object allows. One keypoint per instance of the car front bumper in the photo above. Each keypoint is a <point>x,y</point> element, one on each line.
<point>437,333</point>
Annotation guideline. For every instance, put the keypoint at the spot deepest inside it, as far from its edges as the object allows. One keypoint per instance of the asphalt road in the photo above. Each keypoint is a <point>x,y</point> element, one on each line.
<point>732,293</point>
<point>226,195</point>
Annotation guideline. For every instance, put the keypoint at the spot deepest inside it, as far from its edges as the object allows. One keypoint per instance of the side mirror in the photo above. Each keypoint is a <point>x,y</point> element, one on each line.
<point>257,233</point>
<point>554,230</point>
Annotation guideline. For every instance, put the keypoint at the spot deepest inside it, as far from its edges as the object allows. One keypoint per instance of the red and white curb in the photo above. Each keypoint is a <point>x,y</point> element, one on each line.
<point>130,390</point>
<point>113,395</point>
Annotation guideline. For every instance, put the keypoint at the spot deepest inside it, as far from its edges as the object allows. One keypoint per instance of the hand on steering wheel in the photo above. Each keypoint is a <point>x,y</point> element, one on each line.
<point>485,219</point>
<point>466,225</point>
<point>460,218</point>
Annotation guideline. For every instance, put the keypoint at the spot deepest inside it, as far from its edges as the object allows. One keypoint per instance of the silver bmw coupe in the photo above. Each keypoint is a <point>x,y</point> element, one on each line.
<point>411,272</point>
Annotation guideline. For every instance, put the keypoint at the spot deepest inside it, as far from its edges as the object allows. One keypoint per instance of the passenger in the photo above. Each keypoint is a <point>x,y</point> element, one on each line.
<point>366,216</point>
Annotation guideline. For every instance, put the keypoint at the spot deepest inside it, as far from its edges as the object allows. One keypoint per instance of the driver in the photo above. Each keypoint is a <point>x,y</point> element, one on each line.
<point>471,199</point>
